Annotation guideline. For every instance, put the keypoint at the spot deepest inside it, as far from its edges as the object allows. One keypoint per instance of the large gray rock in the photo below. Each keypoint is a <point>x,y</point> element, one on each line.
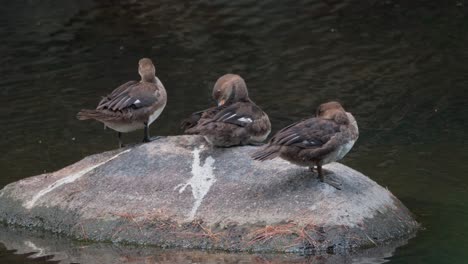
<point>177,191</point>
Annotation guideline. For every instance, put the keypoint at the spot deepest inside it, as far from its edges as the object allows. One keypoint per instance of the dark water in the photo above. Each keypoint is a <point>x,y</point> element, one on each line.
<point>400,66</point>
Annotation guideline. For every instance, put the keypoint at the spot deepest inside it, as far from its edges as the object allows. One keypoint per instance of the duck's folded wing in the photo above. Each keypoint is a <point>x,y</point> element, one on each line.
<point>314,134</point>
<point>191,121</point>
<point>134,97</point>
<point>196,116</point>
<point>104,101</point>
<point>238,115</point>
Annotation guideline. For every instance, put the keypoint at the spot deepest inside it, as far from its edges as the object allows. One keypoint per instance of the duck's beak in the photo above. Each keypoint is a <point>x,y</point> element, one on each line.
<point>220,103</point>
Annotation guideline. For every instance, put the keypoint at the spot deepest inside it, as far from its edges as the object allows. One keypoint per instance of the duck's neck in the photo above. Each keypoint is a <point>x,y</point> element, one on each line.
<point>148,78</point>
<point>245,100</point>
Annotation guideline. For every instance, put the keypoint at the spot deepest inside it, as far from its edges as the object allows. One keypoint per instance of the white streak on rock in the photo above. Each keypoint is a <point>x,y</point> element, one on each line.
<point>39,251</point>
<point>202,180</point>
<point>69,179</point>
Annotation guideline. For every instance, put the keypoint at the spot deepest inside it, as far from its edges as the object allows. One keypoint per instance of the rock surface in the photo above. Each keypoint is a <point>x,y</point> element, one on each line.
<point>178,192</point>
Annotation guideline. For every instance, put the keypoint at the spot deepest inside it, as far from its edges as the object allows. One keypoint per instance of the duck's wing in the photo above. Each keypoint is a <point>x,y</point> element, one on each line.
<point>192,120</point>
<point>195,117</point>
<point>115,92</point>
<point>242,114</point>
<point>132,95</point>
<point>314,134</point>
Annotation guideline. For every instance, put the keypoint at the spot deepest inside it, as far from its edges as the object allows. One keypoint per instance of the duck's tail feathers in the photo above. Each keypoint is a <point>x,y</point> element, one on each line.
<point>86,114</point>
<point>267,153</point>
<point>192,130</point>
<point>188,123</point>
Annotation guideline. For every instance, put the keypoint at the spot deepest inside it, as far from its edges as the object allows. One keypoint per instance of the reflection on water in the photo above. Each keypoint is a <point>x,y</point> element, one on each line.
<point>23,245</point>
<point>399,66</point>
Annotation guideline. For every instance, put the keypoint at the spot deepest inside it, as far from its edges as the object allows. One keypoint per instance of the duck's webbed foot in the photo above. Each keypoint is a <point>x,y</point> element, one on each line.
<point>337,185</point>
<point>152,138</point>
<point>321,175</point>
<point>146,136</point>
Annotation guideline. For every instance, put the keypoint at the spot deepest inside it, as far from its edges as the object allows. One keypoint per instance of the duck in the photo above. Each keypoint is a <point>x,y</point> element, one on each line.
<point>133,105</point>
<point>327,137</point>
<point>236,120</point>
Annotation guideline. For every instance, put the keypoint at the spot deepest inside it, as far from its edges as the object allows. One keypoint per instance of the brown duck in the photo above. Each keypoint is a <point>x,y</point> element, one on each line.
<point>133,105</point>
<point>236,120</point>
<point>316,141</point>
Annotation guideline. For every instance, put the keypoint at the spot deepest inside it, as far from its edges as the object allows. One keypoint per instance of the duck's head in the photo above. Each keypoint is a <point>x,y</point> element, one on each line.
<point>230,88</point>
<point>333,111</point>
<point>146,69</point>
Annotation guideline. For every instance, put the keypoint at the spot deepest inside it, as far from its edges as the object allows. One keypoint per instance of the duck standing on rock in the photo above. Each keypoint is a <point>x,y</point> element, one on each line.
<point>316,141</point>
<point>133,105</point>
<point>236,120</point>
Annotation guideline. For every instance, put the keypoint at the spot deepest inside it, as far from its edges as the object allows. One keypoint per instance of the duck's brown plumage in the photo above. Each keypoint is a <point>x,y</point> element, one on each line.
<point>314,141</point>
<point>133,105</point>
<point>236,121</point>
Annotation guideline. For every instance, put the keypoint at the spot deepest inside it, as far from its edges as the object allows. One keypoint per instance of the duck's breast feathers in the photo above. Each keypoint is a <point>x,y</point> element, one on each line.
<point>134,95</point>
<point>354,129</point>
